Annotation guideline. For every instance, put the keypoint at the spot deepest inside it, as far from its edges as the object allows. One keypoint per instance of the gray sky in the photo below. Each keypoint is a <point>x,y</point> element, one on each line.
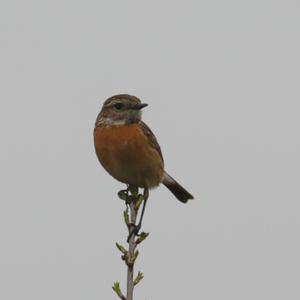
<point>222,82</point>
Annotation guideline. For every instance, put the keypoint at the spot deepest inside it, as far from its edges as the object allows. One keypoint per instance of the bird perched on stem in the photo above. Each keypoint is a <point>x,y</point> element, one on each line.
<point>128,149</point>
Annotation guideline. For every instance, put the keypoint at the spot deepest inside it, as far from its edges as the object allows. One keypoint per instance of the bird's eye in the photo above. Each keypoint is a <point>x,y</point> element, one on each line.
<point>119,105</point>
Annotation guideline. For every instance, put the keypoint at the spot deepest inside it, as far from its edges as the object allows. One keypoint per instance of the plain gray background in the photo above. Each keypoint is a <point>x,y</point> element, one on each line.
<point>222,82</point>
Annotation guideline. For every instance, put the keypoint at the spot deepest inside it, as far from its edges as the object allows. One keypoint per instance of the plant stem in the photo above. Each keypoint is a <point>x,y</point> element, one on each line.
<point>132,246</point>
<point>133,202</point>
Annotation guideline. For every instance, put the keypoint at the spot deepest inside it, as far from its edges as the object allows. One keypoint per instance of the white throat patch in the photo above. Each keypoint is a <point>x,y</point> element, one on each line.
<point>109,121</point>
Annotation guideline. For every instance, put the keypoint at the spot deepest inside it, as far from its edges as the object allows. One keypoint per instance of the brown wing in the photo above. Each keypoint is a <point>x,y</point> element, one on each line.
<point>151,137</point>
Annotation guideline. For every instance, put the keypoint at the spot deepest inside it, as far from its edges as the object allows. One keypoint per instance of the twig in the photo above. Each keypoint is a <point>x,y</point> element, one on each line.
<point>133,201</point>
<point>132,246</point>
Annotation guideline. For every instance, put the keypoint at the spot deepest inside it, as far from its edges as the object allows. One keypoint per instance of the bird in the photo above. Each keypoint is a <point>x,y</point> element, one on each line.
<point>127,148</point>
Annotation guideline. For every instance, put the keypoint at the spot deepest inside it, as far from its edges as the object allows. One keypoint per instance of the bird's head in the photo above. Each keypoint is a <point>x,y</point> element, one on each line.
<point>121,110</point>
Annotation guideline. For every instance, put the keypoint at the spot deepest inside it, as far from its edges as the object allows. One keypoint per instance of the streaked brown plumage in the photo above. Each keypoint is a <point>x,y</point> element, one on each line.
<point>127,148</point>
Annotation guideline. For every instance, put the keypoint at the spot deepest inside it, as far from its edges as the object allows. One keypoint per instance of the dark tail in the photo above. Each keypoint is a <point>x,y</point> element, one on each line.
<point>178,191</point>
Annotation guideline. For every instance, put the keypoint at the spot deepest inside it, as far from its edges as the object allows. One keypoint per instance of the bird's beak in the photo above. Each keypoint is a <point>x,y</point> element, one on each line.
<point>139,106</point>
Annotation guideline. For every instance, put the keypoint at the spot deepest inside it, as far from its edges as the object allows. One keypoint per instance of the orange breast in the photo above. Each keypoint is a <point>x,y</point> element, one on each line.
<point>126,154</point>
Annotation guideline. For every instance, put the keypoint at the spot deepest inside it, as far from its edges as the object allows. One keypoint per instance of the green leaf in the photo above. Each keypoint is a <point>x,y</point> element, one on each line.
<point>135,255</point>
<point>123,195</point>
<point>126,217</point>
<point>142,237</point>
<point>117,289</point>
<point>138,278</point>
<point>121,248</point>
<point>139,202</point>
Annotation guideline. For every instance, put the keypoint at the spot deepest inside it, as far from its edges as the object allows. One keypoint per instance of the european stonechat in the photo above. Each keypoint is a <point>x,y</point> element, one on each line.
<point>128,149</point>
